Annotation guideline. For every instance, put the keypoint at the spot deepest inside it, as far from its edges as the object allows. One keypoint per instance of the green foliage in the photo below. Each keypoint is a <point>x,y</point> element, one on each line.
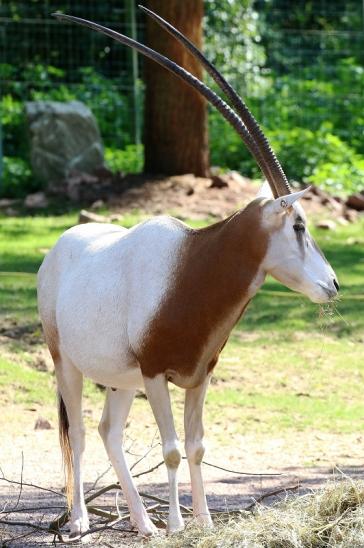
<point>345,178</point>
<point>316,95</point>
<point>306,88</point>
<point>232,40</point>
<point>17,178</point>
<point>319,157</point>
<point>38,82</point>
<point>129,160</point>
<point>13,126</point>
<point>315,129</point>
<point>309,94</point>
<point>336,29</point>
<point>226,147</point>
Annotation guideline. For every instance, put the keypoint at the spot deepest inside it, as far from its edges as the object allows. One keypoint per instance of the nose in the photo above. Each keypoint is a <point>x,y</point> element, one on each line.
<point>336,284</point>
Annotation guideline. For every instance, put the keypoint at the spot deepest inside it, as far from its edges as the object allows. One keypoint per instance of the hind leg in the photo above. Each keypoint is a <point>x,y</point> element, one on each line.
<point>70,382</point>
<point>116,411</point>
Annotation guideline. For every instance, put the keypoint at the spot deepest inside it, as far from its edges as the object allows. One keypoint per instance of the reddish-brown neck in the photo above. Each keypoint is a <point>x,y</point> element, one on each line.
<point>208,293</point>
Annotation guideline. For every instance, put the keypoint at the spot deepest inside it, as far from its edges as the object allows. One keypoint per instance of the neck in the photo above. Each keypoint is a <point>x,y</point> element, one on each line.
<point>218,272</point>
<point>226,258</point>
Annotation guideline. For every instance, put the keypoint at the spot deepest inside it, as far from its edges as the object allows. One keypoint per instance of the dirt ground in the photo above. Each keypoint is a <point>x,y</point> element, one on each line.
<point>187,196</point>
<point>33,456</point>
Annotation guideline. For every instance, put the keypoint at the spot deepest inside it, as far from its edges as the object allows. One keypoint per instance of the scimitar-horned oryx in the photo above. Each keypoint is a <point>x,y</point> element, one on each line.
<point>156,303</point>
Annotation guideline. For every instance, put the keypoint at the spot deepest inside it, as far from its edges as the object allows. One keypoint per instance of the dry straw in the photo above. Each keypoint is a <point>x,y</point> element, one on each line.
<point>330,517</point>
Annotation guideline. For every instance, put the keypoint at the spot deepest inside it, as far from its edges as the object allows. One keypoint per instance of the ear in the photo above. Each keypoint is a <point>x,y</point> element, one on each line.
<point>284,202</point>
<point>265,191</point>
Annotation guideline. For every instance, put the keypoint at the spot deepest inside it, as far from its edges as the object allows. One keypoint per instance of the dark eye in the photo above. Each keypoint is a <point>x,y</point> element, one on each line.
<point>299,227</point>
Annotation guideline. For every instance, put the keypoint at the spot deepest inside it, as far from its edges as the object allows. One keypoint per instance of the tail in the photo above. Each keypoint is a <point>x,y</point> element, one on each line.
<point>64,441</point>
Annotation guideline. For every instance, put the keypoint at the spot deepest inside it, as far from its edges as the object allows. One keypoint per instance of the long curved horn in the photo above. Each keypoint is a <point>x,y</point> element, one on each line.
<point>277,175</point>
<point>194,82</point>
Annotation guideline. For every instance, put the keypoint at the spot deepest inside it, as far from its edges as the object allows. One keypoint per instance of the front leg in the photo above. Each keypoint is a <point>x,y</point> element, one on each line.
<point>195,449</point>
<point>158,396</point>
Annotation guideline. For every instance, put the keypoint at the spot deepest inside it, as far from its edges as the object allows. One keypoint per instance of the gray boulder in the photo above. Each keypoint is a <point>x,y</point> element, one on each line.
<point>64,137</point>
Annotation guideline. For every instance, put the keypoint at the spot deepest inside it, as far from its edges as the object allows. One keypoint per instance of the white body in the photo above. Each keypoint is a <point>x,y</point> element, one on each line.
<point>100,291</point>
<point>105,283</point>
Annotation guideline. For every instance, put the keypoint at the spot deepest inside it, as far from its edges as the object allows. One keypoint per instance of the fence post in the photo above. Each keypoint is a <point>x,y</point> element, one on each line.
<point>135,72</point>
<point>1,156</point>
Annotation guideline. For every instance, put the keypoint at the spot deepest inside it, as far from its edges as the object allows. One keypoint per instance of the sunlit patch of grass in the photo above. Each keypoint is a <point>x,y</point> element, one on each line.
<point>21,384</point>
<point>275,383</point>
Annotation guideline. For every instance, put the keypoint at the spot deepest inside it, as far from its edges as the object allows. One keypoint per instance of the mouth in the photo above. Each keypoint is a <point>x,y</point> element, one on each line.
<point>330,293</point>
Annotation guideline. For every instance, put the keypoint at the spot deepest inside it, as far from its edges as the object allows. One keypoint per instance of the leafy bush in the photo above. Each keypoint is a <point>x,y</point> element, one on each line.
<point>227,149</point>
<point>17,178</point>
<point>15,142</point>
<point>314,121</point>
<point>319,94</point>
<point>129,160</point>
<point>38,82</point>
<point>319,157</point>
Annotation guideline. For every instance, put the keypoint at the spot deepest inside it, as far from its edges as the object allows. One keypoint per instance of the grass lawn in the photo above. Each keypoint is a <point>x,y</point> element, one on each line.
<point>289,365</point>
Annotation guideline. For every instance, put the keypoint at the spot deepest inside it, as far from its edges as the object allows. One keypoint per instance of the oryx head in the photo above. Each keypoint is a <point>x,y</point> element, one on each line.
<point>292,257</point>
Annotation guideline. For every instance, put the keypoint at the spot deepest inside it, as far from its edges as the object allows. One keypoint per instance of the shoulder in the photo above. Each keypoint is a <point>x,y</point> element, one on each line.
<point>163,224</point>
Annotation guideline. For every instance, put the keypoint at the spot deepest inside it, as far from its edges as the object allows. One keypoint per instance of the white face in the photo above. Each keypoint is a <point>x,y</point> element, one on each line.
<point>293,257</point>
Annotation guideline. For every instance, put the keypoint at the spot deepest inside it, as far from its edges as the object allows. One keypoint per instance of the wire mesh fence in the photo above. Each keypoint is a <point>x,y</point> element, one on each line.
<point>41,58</point>
<point>321,41</point>
<point>314,59</point>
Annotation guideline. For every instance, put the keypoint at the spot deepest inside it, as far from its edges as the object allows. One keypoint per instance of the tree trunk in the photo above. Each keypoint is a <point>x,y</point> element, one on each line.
<point>175,114</point>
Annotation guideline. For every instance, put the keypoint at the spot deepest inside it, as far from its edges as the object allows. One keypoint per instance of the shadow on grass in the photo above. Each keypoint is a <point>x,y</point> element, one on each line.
<point>20,303</point>
<point>28,262</point>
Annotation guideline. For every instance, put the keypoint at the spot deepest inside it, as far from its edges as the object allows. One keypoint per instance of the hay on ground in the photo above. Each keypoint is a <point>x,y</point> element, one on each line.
<point>330,517</point>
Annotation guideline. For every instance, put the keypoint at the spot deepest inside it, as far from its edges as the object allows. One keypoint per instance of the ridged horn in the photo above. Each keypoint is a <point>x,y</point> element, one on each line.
<point>277,176</point>
<point>187,77</point>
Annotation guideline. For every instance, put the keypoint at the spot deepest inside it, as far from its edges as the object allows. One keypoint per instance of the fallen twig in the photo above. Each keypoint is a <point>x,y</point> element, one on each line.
<point>148,471</point>
<point>26,524</point>
<point>144,456</point>
<point>24,484</point>
<point>240,473</point>
<point>29,509</point>
<point>164,501</point>
<point>98,479</point>
<point>270,494</point>
<point>21,481</point>
<point>103,514</point>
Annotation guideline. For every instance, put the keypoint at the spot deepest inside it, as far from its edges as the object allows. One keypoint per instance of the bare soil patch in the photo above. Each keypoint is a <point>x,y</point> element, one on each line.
<point>187,196</point>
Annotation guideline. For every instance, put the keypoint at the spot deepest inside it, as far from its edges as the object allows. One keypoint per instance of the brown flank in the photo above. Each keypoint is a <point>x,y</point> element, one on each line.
<point>209,293</point>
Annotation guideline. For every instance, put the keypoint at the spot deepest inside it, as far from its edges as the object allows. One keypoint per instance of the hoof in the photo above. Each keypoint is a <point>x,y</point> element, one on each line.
<point>204,520</point>
<point>79,526</point>
<point>146,528</point>
<point>175,526</point>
